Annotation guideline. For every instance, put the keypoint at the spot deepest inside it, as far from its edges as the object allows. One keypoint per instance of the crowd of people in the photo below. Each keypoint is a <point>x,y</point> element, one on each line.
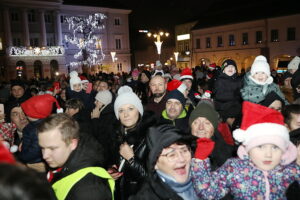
<point>208,132</point>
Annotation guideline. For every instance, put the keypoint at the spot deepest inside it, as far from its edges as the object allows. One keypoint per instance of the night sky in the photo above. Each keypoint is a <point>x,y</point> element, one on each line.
<point>165,14</point>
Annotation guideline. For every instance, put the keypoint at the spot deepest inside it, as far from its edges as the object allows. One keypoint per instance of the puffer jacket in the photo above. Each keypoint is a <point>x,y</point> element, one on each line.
<point>256,93</point>
<point>242,179</point>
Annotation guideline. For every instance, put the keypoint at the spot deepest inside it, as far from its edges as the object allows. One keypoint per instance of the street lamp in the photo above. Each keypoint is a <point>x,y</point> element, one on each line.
<point>158,41</point>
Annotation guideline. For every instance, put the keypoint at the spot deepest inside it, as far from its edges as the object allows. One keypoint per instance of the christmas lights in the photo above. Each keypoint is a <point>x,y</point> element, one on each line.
<point>37,51</point>
<point>85,39</point>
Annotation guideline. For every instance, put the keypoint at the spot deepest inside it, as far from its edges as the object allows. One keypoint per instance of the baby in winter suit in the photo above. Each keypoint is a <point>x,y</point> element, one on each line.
<point>265,166</point>
<point>258,82</point>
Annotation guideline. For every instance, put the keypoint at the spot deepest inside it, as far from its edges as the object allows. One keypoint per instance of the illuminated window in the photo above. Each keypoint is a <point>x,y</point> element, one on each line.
<point>231,40</point>
<point>274,35</point>
<point>258,37</point>
<point>1,47</point>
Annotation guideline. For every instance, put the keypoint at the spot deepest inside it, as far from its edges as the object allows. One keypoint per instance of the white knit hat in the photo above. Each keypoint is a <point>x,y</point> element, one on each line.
<point>127,96</point>
<point>294,63</point>
<point>260,64</point>
<point>104,97</point>
<point>74,79</point>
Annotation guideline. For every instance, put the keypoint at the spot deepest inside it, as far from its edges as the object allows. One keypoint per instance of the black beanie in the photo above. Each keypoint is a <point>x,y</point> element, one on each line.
<point>176,94</point>
<point>160,137</point>
<point>8,108</point>
<point>205,110</point>
<point>17,82</point>
<point>227,63</point>
<point>147,73</point>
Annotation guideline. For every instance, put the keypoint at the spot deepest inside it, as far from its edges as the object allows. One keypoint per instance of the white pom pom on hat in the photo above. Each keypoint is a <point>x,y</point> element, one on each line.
<point>127,96</point>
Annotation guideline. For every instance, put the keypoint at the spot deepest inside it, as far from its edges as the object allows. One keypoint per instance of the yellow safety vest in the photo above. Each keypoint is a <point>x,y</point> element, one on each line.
<point>64,185</point>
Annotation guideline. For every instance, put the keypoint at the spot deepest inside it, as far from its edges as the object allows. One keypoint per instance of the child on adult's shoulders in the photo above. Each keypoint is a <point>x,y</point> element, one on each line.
<point>259,82</point>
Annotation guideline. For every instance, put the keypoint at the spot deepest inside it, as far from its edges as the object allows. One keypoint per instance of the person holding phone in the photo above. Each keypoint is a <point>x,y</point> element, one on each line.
<point>125,140</point>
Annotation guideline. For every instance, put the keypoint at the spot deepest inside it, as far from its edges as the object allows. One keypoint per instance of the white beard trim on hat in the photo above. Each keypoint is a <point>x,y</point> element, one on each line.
<point>256,131</point>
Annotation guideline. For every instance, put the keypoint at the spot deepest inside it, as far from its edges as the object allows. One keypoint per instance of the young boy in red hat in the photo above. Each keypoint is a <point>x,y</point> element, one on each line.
<point>36,109</point>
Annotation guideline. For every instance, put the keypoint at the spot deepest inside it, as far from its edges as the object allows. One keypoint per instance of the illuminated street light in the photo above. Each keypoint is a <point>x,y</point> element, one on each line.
<point>176,56</point>
<point>158,42</point>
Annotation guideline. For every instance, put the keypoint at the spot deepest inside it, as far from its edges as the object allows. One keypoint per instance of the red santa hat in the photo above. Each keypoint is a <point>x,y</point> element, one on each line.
<point>5,155</point>
<point>40,106</point>
<point>263,125</point>
<point>186,73</point>
<point>83,79</point>
<point>176,84</point>
<point>212,66</point>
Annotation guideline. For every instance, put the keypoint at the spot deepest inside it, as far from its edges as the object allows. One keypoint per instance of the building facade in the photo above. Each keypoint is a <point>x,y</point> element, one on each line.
<point>183,42</point>
<point>277,38</point>
<point>33,44</point>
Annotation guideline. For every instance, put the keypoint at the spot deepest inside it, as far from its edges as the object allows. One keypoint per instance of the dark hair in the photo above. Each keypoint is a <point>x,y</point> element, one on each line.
<point>22,184</point>
<point>74,103</point>
<point>288,110</point>
<point>67,126</point>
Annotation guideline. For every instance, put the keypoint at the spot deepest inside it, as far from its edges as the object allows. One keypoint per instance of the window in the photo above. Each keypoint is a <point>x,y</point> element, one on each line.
<point>117,21</point>
<point>119,66</point>
<point>274,35</point>
<point>34,42</point>
<point>180,47</point>
<point>31,16</point>
<point>291,33</point>
<point>220,41</point>
<point>186,46</point>
<point>50,41</point>
<point>14,16</point>
<point>258,37</point>
<point>62,19</point>
<point>198,43</point>
<point>231,40</point>
<point>245,38</point>
<point>48,18</point>
<point>16,42</point>
<point>118,43</point>
<point>208,42</point>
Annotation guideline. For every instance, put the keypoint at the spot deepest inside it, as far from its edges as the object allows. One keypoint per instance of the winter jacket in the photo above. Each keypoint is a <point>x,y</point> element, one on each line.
<point>30,152</point>
<point>227,92</point>
<point>242,179</point>
<point>134,172</point>
<point>85,98</point>
<point>91,187</point>
<point>157,107</point>
<point>256,93</point>
<point>181,122</point>
<point>295,81</point>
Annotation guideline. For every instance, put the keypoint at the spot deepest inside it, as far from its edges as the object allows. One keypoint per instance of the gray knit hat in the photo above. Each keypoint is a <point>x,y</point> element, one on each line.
<point>207,111</point>
<point>104,97</point>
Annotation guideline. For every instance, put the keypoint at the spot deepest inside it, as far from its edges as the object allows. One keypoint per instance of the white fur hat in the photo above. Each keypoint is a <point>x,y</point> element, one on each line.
<point>260,64</point>
<point>104,97</point>
<point>127,96</point>
<point>294,63</point>
<point>74,79</point>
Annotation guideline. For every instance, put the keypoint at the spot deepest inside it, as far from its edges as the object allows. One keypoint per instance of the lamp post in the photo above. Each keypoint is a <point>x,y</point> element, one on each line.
<point>158,42</point>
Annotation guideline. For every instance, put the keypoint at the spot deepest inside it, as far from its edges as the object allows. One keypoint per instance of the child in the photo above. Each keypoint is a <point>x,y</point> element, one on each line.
<point>258,82</point>
<point>264,168</point>
<point>226,93</point>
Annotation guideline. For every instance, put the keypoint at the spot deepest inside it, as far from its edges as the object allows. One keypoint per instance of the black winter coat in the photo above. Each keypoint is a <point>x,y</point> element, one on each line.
<point>135,172</point>
<point>226,92</point>
<point>155,189</point>
<point>87,154</point>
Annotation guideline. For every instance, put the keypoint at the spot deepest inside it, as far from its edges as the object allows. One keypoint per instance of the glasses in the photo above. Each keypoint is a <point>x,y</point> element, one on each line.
<point>173,155</point>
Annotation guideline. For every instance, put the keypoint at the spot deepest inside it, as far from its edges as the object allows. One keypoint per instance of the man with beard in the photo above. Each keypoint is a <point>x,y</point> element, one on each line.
<point>157,102</point>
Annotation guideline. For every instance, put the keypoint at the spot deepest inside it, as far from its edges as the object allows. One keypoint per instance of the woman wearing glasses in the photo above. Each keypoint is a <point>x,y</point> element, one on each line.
<point>168,166</point>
